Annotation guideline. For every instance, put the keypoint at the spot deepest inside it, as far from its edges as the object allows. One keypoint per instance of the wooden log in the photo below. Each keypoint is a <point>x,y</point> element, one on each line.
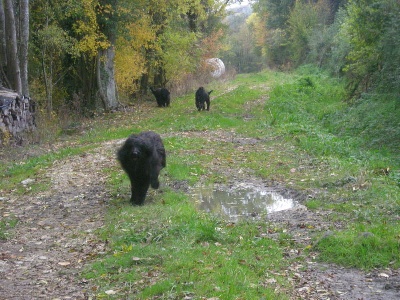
<point>17,116</point>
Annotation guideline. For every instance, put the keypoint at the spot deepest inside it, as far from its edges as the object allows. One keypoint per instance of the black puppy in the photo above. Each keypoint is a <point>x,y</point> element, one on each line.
<point>142,157</point>
<point>202,98</point>
<point>163,96</point>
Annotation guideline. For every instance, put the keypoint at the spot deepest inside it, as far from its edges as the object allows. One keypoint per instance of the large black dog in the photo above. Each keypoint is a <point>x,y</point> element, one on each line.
<point>202,98</point>
<point>142,157</point>
<point>163,96</point>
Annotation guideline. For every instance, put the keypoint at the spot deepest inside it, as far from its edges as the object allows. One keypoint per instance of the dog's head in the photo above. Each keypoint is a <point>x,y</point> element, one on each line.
<point>147,153</point>
<point>140,148</point>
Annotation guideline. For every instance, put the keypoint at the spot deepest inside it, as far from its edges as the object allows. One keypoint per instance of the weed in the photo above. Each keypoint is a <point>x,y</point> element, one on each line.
<point>6,224</point>
<point>363,246</point>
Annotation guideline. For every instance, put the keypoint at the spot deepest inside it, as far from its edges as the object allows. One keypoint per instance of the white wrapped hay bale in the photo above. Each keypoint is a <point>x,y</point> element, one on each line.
<point>217,67</point>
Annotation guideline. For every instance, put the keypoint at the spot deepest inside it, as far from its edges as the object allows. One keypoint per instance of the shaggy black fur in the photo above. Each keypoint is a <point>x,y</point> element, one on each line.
<point>162,95</point>
<point>202,98</point>
<point>142,157</point>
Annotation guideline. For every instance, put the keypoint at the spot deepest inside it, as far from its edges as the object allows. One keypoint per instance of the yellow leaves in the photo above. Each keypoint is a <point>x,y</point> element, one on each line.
<point>130,58</point>
<point>141,33</point>
<point>106,9</point>
<point>91,41</point>
<point>155,36</point>
<point>87,28</point>
<point>256,22</point>
<point>124,249</point>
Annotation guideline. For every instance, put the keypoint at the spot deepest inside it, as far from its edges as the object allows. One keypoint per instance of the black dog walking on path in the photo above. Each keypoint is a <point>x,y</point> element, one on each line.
<point>202,98</point>
<point>142,157</point>
<point>163,96</point>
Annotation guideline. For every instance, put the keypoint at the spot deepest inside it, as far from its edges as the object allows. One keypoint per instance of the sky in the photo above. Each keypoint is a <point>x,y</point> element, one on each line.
<point>244,2</point>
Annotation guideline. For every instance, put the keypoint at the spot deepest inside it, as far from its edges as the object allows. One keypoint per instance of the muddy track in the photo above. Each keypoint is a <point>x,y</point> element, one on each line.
<point>55,237</point>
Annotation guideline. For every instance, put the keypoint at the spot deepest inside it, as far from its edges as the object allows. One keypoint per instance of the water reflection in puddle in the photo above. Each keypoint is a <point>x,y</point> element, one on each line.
<point>240,201</point>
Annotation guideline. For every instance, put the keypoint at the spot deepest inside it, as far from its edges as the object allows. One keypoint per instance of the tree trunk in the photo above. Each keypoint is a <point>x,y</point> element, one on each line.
<point>106,78</point>
<point>13,69</point>
<point>24,39</point>
<point>160,79</point>
<point>3,59</point>
<point>105,72</point>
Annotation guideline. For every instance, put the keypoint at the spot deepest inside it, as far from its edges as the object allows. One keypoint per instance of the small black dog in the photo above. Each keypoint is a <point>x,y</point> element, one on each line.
<point>142,157</point>
<point>163,96</point>
<point>202,98</point>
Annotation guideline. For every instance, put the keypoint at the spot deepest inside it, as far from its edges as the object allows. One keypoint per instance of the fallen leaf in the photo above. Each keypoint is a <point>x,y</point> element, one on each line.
<point>304,289</point>
<point>110,292</point>
<point>64,263</point>
<point>271,281</point>
<point>27,181</point>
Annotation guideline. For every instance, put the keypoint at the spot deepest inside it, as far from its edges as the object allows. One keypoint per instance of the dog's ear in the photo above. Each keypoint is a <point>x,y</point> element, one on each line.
<point>162,155</point>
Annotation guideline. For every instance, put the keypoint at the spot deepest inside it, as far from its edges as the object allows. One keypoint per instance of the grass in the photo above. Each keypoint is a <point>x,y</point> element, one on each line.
<point>7,223</point>
<point>362,246</point>
<point>173,251</point>
<point>307,138</point>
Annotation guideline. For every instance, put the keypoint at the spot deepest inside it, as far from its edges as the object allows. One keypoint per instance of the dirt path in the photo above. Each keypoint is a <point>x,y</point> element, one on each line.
<point>54,238</point>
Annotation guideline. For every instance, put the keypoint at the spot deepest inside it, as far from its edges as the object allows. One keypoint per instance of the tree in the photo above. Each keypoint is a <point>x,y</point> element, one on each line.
<point>90,25</point>
<point>136,36</point>
<point>14,40</point>
<point>13,67</point>
<point>303,20</point>
<point>278,12</point>
<point>164,41</point>
<point>370,27</point>
<point>3,52</point>
<point>272,35</point>
<point>107,19</point>
<point>389,77</point>
<point>244,49</point>
<point>24,42</point>
<point>53,44</point>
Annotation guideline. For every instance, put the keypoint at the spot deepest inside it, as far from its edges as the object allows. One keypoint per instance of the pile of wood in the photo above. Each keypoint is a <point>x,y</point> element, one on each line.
<point>17,115</point>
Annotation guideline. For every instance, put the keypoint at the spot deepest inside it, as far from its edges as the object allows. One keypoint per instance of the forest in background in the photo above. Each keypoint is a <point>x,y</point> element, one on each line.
<point>355,39</point>
<point>79,57</point>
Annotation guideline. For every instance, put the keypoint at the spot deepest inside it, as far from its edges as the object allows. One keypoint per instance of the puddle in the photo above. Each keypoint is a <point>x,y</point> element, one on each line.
<point>244,200</point>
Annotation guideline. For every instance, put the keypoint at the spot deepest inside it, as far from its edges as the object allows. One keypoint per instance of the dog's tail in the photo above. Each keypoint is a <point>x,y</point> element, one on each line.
<point>209,92</point>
